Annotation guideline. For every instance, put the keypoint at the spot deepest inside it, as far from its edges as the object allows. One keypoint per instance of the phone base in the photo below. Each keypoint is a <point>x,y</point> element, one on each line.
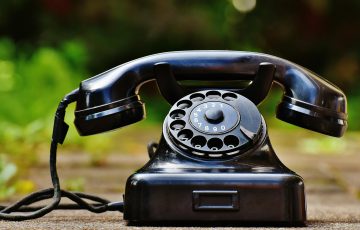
<point>244,198</point>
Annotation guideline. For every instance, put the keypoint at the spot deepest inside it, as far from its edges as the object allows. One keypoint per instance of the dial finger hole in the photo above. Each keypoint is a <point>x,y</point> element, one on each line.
<point>215,144</point>
<point>185,134</point>
<point>229,96</point>
<point>213,94</point>
<point>184,104</point>
<point>177,125</point>
<point>197,97</point>
<point>198,141</point>
<point>231,141</point>
<point>177,114</point>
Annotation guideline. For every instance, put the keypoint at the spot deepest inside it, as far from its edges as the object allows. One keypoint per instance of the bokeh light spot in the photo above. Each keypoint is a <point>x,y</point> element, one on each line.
<point>244,5</point>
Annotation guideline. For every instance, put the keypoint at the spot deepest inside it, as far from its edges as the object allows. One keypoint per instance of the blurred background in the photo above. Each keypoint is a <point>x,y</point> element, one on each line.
<point>48,46</point>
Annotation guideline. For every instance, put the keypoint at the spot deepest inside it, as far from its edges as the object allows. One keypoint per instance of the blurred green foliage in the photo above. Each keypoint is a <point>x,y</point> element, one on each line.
<point>75,184</point>
<point>31,86</point>
<point>7,172</point>
<point>323,145</point>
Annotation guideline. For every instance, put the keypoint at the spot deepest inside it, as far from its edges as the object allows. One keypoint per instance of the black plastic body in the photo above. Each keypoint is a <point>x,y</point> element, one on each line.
<point>254,187</point>
<point>110,100</point>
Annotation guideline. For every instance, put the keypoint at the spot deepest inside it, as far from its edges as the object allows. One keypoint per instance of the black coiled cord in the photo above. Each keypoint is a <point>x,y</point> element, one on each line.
<point>26,212</point>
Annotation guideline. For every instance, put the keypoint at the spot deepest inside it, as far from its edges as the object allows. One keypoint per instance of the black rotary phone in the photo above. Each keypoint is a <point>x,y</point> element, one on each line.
<point>214,161</point>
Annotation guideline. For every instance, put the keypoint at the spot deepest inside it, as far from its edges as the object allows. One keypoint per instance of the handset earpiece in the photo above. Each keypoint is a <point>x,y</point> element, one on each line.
<point>109,116</point>
<point>108,101</point>
<point>102,106</point>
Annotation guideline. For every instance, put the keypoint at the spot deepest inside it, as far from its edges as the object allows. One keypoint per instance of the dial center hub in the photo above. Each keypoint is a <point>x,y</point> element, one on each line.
<point>214,117</point>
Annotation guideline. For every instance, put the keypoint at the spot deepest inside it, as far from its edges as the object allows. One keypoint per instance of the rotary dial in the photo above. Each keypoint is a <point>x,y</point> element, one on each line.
<point>213,124</point>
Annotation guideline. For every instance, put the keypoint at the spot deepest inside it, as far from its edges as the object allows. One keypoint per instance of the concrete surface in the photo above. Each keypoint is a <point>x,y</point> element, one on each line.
<point>332,188</point>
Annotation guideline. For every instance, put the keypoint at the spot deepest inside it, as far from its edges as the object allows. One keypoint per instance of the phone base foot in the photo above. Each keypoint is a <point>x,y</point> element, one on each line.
<point>210,198</point>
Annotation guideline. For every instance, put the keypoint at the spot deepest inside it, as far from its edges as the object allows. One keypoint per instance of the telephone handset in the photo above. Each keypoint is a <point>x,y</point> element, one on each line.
<point>214,160</point>
<point>110,100</point>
